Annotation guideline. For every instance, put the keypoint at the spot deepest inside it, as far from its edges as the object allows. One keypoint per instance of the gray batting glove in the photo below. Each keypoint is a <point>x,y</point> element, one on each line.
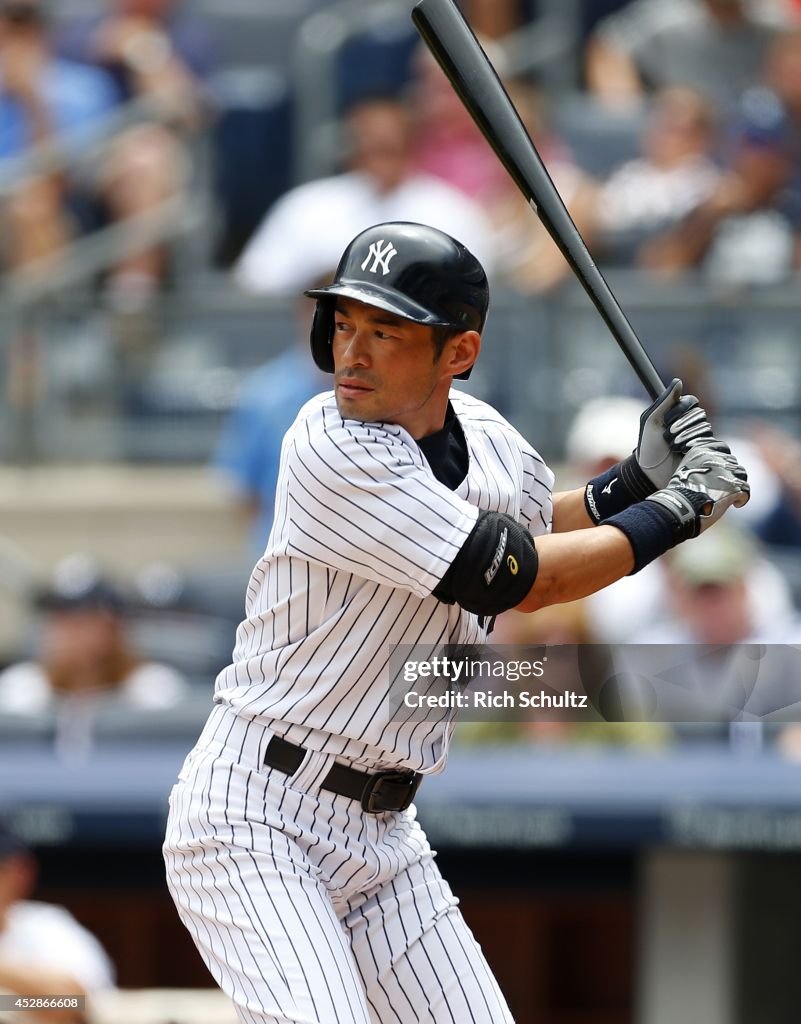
<point>669,427</point>
<point>708,480</point>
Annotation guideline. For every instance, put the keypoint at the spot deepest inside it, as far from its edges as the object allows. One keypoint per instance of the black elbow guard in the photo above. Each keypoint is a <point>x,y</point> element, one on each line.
<point>495,568</point>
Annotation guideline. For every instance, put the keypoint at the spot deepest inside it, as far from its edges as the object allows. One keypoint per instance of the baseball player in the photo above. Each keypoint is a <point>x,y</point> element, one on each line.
<point>406,513</point>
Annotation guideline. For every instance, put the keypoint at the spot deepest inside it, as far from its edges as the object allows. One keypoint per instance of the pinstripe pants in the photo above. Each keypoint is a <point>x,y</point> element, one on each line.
<point>307,910</point>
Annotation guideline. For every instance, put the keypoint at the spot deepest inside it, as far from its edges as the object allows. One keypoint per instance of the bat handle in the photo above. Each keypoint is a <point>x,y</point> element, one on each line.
<point>640,361</point>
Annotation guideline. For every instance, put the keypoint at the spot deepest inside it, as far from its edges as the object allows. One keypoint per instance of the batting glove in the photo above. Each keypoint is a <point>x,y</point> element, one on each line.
<point>708,480</point>
<point>669,427</point>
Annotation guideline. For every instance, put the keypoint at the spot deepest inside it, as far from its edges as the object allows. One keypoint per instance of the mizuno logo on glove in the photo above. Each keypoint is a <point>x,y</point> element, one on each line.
<point>609,486</point>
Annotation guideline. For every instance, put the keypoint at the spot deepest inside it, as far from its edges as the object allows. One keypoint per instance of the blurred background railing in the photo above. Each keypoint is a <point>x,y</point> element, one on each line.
<point>543,357</point>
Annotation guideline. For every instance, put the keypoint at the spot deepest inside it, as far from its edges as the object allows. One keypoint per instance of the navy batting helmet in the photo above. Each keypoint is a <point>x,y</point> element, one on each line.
<point>413,271</point>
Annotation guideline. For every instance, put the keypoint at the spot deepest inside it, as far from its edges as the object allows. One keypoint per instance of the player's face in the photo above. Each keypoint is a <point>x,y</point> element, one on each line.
<point>385,369</point>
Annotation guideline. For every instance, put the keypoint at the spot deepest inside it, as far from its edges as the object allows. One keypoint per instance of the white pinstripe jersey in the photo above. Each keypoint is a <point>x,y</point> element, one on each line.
<point>363,533</point>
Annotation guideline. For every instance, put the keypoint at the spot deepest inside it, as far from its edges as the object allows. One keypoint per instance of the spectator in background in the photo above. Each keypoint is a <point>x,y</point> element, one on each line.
<point>760,193</point>
<point>151,48</point>
<point>153,52</point>
<point>674,175</point>
<point>42,98</point>
<point>746,663</point>
<point>714,46</point>
<point>304,233</point>
<point>85,660</point>
<point>780,526</point>
<point>44,951</point>
<point>446,142</point>
<point>494,19</point>
<point>249,448</point>
<point>527,258</point>
<point>711,600</point>
<point>559,628</point>
<point>451,147</point>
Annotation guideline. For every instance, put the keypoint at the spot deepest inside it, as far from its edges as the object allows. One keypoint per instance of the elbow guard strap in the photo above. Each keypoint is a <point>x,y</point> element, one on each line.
<point>495,568</point>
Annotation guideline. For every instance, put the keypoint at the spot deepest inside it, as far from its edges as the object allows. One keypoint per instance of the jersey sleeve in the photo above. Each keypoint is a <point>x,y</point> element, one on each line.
<point>363,501</point>
<point>536,509</point>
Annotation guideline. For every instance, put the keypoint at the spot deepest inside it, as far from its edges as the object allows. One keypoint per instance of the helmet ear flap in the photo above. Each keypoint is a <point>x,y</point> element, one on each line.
<point>322,332</point>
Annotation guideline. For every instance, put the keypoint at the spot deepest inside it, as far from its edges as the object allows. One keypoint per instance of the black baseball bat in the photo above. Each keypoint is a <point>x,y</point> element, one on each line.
<point>462,58</point>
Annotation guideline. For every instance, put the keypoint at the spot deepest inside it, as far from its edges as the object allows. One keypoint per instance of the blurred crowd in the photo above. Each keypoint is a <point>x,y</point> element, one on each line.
<point>708,91</point>
<point>710,98</point>
<point>677,150</point>
<point>43,948</point>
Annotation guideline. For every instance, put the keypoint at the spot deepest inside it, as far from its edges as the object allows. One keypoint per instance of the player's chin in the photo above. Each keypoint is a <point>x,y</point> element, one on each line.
<point>355,403</point>
<point>353,410</point>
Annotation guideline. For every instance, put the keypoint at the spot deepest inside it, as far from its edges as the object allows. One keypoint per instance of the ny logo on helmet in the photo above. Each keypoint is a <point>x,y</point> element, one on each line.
<point>382,254</point>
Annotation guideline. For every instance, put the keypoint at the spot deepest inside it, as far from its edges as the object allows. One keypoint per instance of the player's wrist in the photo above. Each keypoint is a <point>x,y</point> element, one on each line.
<point>616,489</point>
<point>659,523</point>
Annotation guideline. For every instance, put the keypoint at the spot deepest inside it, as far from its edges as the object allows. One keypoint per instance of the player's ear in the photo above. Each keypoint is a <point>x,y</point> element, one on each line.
<point>461,352</point>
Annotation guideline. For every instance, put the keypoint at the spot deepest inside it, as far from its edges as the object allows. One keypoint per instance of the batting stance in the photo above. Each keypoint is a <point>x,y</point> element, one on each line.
<point>407,513</point>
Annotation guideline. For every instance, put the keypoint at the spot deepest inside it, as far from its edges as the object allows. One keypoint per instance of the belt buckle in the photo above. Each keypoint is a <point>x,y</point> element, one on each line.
<point>371,797</point>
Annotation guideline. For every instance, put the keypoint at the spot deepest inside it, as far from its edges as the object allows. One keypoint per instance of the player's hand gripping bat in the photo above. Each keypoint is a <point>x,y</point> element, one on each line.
<point>453,44</point>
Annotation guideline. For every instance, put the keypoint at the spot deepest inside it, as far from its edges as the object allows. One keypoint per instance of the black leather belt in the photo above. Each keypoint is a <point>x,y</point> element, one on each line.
<point>377,792</point>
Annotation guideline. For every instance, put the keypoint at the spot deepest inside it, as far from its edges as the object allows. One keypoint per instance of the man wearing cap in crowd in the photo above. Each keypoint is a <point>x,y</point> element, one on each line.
<point>714,600</point>
<point>727,655</point>
<point>84,658</point>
